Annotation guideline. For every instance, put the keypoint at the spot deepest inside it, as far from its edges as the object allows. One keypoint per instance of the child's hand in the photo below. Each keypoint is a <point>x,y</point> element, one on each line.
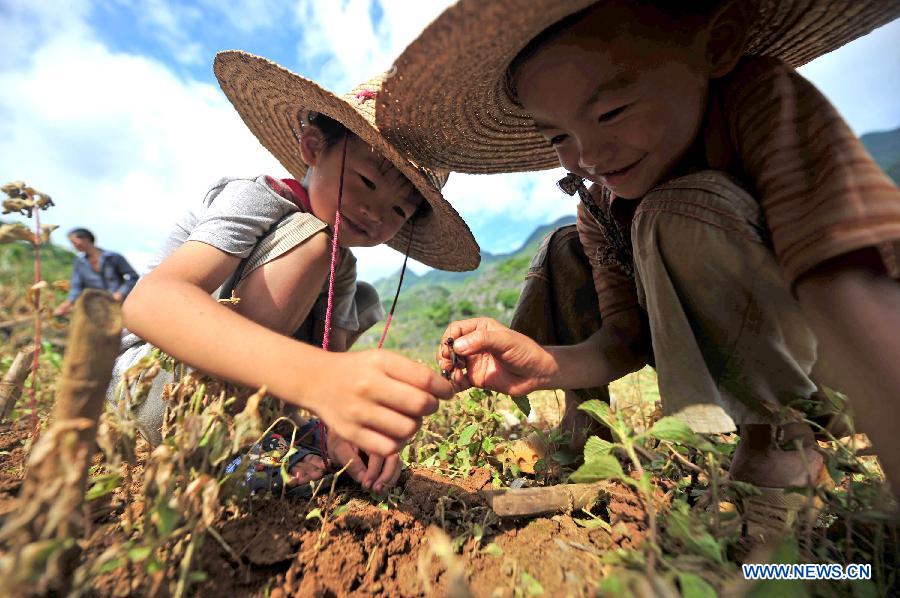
<point>381,473</point>
<point>375,399</point>
<point>494,357</point>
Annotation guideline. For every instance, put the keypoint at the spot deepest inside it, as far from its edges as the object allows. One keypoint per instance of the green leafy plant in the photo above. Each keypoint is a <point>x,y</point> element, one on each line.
<point>467,437</point>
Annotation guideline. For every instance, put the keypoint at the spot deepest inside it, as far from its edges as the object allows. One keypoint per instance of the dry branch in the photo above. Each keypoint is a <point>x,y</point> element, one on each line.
<point>9,324</point>
<point>50,504</point>
<point>529,502</point>
<point>14,381</point>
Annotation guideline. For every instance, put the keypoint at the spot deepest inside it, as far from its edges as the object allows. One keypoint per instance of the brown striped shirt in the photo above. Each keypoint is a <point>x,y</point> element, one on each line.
<point>821,193</point>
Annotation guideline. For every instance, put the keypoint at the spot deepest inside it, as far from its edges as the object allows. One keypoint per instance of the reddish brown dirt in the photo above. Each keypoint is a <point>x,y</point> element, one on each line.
<point>369,551</point>
<point>12,465</point>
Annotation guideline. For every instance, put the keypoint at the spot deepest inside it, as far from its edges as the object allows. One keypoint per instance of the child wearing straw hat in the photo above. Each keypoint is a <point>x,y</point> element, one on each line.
<point>734,222</point>
<point>282,248</point>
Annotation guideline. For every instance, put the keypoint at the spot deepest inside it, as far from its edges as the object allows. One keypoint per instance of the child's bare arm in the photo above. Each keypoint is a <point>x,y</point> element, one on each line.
<point>372,399</point>
<point>855,313</point>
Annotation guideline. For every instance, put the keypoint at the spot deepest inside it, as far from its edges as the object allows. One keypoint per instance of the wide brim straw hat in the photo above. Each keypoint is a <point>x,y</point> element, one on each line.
<point>275,104</point>
<point>449,104</point>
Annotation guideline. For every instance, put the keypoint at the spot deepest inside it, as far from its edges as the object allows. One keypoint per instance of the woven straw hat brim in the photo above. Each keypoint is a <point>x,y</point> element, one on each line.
<point>449,106</point>
<point>271,100</point>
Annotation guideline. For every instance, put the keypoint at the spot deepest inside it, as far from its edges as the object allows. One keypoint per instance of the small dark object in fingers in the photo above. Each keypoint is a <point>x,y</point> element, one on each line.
<point>454,360</point>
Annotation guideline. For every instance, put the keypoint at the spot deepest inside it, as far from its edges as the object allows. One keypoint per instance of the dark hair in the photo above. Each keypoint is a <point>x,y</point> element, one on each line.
<point>682,10</point>
<point>332,131</point>
<point>82,233</point>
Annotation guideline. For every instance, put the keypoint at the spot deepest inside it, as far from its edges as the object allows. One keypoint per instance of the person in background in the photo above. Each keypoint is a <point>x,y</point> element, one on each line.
<point>96,268</point>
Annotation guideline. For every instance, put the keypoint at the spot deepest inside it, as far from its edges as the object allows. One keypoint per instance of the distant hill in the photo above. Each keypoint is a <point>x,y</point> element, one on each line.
<point>885,149</point>
<point>388,286</point>
<point>17,263</point>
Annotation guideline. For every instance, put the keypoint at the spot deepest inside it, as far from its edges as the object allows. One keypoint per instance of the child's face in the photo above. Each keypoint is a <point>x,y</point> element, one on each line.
<point>622,106</point>
<point>377,201</point>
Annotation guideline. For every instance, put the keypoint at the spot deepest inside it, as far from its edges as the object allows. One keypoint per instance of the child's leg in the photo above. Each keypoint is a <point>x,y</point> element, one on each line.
<point>150,412</point>
<point>558,306</point>
<point>731,344</point>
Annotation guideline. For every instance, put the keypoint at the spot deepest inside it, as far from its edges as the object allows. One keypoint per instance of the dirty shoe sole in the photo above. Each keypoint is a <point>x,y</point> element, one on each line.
<point>774,511</point>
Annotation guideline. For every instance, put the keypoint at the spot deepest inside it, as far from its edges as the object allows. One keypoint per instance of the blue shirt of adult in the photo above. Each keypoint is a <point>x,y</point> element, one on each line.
<point>115,274</point>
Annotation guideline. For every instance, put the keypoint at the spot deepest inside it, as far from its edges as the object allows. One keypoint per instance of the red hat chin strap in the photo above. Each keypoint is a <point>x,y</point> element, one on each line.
<point>334,255</point>
<point>334,250</point>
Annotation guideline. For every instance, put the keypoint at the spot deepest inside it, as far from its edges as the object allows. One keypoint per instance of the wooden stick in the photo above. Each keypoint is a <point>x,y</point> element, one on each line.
<point>16,322</point>
<point>92,348</point>
<point>50,504</point>
<point>14,381</point>
<point>529,502</point>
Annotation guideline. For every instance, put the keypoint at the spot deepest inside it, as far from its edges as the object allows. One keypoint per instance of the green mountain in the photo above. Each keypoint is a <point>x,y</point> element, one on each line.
<point>885,149</point>
<point>431,301</point>
<point>388,286</point>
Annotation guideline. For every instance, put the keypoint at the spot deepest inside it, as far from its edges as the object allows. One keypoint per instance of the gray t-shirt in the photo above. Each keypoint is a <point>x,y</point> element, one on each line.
<point>236,214</point>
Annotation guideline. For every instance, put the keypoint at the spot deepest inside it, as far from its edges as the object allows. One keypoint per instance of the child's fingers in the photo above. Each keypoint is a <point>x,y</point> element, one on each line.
<point>373,471</point>
<point>494,341</point>
<point>460,380</point>
<point>390,422</point>
<point>374,443</point>
<point>390,472</point>
<point>344,453</point>
<point>462,327</point>
<point>419,376</point>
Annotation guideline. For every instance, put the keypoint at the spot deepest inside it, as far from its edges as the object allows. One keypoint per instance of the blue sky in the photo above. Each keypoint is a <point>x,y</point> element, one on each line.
<point>111,107</point>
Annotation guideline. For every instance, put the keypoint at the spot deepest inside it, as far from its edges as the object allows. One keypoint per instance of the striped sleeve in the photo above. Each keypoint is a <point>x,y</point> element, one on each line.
<point>616,291</point>
<point>822,194</point>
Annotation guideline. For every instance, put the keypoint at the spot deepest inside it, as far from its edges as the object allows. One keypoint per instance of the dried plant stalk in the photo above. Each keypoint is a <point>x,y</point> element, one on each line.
<point>91,350</point>
<point>13,382</point>
<point>50,504</point>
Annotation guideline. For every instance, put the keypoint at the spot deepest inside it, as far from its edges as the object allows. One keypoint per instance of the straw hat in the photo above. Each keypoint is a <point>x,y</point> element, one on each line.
<point>449,105</point>
<point>273,102</point>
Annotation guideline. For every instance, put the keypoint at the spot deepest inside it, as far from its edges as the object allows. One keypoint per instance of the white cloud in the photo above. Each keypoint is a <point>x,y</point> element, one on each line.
<point>520,197</point>
<point>26,24</point>
<point>250,16</point>
<point>171,23</point>
<point>358,48</point>
<point>121,143</point>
